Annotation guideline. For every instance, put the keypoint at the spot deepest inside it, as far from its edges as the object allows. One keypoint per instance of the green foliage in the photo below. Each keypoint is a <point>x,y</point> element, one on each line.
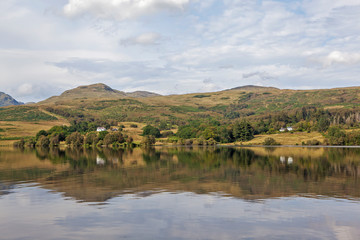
<point>313,142</point>
<point>43,141</point>
<point>24,113</point>
<point>113,138</point>
<point>54,140</point>
<point>186,132</point>
<point>102,135</point>
<point>91,138</point>
<point>75,139</point>
<point>167,134</point>
<point>201,96</point>
<point>323,124</point>
<point>164,126</point>
<point>41,133</point>
<point>185,109</point>
<point>270,142</point>
<point>336,136</point>
<point>148,140</point>
<point>243,131</point>
<point>151,130</point>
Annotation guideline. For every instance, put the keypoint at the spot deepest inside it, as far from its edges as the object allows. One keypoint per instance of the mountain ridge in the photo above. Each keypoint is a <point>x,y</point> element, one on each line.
<point>97,91</point>
<point>7,100</point>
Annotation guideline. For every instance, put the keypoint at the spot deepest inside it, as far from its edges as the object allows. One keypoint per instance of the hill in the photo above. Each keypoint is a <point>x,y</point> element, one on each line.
<point>7,100</point>
<point>266,108</point>
<point>255,103</point>
<point>254,88</point>
<point>96,91</point>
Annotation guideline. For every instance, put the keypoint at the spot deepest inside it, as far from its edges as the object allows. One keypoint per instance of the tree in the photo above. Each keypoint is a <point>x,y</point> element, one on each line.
<point>112,138</point>
<point>41,133</point>
<point>43,141</point>
<point>75,139</point>
<point>54,140</point>
<point>148,140</point>
<point>270,141</point>
<point>186,132</point>
<point>243,131</point>
<point>323,124</point>
<point>91,138</point>
<point>336,136</point>
<point>151,130</point>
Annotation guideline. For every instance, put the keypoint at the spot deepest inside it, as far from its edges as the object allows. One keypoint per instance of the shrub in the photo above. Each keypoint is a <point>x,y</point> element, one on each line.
<point>113,138</point>
<point>148,140</point>
<point>151,130</point>
<point>43,141</point>
<point>75,139</point>
<point>270,142</point>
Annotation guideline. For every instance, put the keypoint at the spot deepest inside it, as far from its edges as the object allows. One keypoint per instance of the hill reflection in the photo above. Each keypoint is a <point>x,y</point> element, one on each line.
<point>247,173</point>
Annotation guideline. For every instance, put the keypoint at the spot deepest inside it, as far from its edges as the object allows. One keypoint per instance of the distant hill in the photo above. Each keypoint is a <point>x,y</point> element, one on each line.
<point>97,91</point>
<point>7,100</point>
<point>254,88</point>
<point>99,101</point>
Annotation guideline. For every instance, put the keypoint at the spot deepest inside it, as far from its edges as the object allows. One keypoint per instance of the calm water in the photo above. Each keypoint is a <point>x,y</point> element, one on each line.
<point>180,193</point>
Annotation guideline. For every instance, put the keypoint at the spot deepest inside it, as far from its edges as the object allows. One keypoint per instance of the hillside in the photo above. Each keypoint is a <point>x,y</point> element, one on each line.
<point>102,102</point>
<point>96,91</point>
<point>7,100</point>
<point>266,108</point>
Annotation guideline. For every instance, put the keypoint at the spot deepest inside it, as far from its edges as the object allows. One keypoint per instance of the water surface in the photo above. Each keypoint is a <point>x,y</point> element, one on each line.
<point>180,193</point>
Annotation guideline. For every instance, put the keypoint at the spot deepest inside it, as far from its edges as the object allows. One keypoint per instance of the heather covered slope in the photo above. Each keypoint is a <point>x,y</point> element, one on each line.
<point>101,102</point>
<point>229,105</point>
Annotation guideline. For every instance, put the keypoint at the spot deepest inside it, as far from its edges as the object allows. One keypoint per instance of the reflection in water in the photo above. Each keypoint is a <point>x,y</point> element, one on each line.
<point>180,193</point>
<point>256,173</point>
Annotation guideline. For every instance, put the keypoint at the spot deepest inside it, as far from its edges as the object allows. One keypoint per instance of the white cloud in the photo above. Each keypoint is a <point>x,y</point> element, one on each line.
<point>122,9</point>
<point>25,89</point>
<point>143,39</point>
<point>337,57</point>
<point>286,44</point>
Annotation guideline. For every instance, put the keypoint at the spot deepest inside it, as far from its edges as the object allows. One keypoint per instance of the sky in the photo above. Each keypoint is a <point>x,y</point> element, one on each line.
<point>177,46</point>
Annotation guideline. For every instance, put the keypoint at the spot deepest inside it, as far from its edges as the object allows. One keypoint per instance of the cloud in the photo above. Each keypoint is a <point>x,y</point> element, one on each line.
<point>337,57</point>
<point>261,75</point>
<point>122,9</point>
<point>143,39</point>
<point>25,89</point>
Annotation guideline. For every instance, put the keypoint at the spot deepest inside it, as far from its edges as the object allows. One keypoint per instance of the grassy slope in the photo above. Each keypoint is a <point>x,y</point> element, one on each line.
<point>247,101</point>
<point>288,138</point>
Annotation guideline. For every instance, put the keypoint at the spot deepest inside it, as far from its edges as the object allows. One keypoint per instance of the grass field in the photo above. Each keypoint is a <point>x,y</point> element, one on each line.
<point>14,130</point>
<point>288,138</point>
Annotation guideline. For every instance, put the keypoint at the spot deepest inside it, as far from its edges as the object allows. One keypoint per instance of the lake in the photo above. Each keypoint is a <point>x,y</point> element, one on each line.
<point>180,193</point>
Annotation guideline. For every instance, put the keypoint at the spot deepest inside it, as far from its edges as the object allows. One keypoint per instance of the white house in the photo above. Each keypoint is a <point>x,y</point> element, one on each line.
<point>101,129</point>
<point>284,129</point>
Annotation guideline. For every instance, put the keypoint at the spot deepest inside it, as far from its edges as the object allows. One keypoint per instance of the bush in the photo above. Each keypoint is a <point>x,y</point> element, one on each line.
<point>113,138</point>
<point>148,140</point>
<point>167,133</point>
<point>151,130</point>
<point>54,140</point>
<point>133,125</point>
<point>270,142</point>
<point>43,141</point>
<point>91,138</point>
<point>75,139</point>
